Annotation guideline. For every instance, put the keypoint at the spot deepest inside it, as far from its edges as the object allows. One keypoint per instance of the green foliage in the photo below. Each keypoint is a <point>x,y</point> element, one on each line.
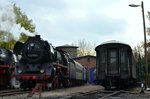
<point>83,52</point>
<point>6,40</point>
<point>148,28</point>
<point>138,51</point>
<point>140,61</point>
<point>8,45</point>
<point>23,20</point>
<point>140,69</point>
<point>23,37</point>
<point>148,80</point>
<point>3,35</point>
<point>3,45</point>
<point>11,42</point>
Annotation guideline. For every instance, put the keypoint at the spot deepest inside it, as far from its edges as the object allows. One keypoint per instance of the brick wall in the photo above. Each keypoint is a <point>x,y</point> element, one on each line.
<point>88,62</point>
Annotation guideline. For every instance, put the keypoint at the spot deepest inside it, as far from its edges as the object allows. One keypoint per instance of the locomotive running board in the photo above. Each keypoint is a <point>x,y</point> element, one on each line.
<point>7,66</point>
<point>60,65</point>
<point>37,88</point>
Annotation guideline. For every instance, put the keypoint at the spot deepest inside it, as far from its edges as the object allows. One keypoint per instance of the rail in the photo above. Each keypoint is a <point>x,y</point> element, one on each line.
<point>37,88</point>
<point>12,92</point>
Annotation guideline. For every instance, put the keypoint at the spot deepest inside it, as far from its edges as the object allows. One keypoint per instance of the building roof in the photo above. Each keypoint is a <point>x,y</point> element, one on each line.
<point>67,46</point>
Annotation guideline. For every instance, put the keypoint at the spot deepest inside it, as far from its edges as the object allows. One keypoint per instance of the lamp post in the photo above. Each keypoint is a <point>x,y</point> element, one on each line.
<point>145,44</point>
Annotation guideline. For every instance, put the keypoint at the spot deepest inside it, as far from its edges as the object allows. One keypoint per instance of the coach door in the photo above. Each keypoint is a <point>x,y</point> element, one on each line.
<point>113,62</point>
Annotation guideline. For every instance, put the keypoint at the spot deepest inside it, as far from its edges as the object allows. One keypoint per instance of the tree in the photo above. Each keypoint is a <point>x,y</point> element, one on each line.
<point>139,61</point>
<point>23,20</point>
<point>23,37</point>
<point>140,68</point>
<point>85,47</point>
<point>138,50</point>
<point>7,40</point>
<point>2,35</point>
<point>148,28</point>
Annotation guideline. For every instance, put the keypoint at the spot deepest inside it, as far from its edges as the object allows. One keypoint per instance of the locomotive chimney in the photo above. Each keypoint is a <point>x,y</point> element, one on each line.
<point>37,36</point>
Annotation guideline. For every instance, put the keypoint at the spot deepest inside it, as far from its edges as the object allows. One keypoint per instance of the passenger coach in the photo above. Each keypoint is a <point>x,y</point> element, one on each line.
<point>115,66</point>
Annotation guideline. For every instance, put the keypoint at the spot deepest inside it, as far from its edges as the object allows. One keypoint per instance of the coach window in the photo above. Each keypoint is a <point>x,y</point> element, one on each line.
<point>113,61</point>
<point>102,60</point>
<point>129,53</point>
<point>123,61</point>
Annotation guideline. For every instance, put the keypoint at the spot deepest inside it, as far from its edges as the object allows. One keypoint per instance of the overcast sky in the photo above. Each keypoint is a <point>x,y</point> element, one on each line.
<point>66,21</point>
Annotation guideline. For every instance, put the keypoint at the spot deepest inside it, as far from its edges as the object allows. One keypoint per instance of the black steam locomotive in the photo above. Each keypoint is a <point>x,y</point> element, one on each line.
<point>40,62</point>
<point>7,65</point>
<point>115,66</point>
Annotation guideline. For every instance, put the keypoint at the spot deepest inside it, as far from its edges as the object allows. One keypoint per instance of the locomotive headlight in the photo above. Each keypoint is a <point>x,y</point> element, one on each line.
<point>19,71</point>
<point>32,44</point>
<point>42,70</point>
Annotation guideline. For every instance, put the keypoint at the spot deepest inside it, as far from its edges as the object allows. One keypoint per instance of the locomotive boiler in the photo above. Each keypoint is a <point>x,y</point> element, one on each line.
<point>40,62</point>
<point>115,66</point>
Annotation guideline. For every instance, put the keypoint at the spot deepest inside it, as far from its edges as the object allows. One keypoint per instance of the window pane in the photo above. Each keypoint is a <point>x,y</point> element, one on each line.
<point>112,62</point>
<point>113,54</point>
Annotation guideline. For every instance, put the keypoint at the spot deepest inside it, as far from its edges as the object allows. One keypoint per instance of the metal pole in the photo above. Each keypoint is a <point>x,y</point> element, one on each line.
<point>145,45</point>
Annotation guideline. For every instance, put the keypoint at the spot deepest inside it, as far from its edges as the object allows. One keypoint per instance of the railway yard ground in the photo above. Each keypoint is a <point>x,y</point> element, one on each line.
<point>81,92</point>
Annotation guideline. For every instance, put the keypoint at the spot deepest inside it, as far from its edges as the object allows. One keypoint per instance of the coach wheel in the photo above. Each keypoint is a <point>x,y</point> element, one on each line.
<point>107,87</point>
<point>66,83</point>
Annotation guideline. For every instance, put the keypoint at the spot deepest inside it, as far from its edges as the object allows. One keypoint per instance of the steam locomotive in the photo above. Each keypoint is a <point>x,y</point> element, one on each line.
<point>40,62</point>
<point>115,65</point>
<point>7,65</point>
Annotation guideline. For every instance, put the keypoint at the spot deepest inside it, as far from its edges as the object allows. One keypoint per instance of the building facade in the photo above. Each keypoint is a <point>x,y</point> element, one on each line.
<point>72,50</point>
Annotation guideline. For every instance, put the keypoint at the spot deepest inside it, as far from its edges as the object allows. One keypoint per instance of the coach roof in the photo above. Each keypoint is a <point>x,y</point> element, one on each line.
<point>112,42</point>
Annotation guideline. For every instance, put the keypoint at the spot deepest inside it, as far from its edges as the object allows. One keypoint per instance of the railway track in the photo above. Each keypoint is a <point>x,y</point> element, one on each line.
<point>82,94</point>
<point>12,92</point>
<point>111,94</point>
<point>94,95</point>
